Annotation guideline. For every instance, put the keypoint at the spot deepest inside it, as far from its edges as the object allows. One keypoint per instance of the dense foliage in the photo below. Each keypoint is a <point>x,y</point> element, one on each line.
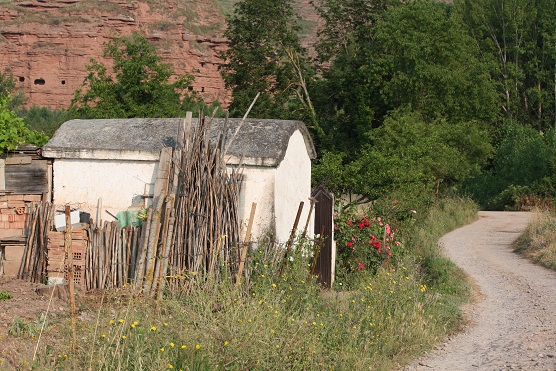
<point>13,130</point>
<point>265,56</point>
<point>413,98</point>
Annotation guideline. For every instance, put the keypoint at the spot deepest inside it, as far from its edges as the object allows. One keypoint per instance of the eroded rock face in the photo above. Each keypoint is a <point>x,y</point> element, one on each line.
<point>47,44</point>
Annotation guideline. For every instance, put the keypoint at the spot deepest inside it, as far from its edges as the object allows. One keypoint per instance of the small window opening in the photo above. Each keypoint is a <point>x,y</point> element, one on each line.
<point>39,82</point>
<point>202,64</point>
<point>203,89</point>
<point>63,82</point>
<point>21,79</point>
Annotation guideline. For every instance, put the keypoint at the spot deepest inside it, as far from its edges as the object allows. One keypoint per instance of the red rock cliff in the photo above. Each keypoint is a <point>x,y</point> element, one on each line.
<point>48,43</point>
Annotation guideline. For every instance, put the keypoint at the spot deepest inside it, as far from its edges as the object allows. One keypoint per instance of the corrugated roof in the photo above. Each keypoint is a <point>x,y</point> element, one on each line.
<point>259,141</point>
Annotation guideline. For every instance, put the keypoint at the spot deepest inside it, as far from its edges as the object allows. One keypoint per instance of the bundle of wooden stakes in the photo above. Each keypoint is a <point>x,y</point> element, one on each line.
<point>34,261</point>
<point>193,222</point>
<point>111,255</point>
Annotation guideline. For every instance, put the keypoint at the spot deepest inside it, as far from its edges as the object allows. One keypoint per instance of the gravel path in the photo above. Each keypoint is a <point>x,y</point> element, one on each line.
<point>513,322</point>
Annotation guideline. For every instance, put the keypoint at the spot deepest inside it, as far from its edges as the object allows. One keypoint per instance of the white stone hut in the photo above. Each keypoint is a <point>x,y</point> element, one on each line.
<point>116,160</point>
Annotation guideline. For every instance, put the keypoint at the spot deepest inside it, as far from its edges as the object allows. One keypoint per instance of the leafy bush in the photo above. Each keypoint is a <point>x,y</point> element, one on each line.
<point>523,166</point>
<point>363,245</point>
<point>13,130</point>
<point>5,295</point>
<point>21,327</point>
<point>43,119</point>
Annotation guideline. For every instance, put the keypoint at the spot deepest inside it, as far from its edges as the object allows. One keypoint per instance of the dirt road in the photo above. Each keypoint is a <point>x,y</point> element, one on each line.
<point>513,322</point>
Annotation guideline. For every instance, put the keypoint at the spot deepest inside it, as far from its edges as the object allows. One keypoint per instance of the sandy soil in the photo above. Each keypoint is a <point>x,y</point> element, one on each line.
<point>513,321</point>
<point>28,306</point>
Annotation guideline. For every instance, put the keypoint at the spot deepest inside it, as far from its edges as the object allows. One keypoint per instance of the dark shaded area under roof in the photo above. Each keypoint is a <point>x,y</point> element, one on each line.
<point>256,139</point>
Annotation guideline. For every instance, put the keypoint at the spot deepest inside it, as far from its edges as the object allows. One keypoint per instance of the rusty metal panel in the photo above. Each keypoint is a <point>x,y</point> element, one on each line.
<point>324,210</point>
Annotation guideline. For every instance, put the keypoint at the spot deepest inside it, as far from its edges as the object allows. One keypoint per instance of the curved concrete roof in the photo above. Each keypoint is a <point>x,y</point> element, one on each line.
<point>259,141</point>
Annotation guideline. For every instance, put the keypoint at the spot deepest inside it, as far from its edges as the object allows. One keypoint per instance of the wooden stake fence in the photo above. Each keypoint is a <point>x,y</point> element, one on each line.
<point>34,261</point>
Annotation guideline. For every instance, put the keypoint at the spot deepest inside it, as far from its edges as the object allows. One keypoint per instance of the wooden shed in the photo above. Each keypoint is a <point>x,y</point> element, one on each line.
<point>116,160</point>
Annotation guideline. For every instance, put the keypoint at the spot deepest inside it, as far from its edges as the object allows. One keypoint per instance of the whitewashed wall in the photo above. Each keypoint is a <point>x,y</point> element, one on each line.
<point>81,182</point>
<point>277,191</point>
<point>257,186</point>
<point>293,185</point>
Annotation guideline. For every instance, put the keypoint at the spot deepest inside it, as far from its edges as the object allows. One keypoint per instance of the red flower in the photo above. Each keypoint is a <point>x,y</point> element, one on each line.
<point>361,225</point>
<point>335,227</point>
<point>350,244</point>
<point>367,223</point>
<point>361,265</point>
<point>375,242</point>
<point>349,222</point>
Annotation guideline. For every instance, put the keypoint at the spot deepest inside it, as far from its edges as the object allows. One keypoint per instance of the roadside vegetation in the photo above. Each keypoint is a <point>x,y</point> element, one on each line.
<point>538,242</point>
<point>379,317</point>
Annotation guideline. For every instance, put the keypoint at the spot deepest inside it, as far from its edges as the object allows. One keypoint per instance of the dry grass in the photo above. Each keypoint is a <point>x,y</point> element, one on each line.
<point>272,322</point>
<point>538,242</point>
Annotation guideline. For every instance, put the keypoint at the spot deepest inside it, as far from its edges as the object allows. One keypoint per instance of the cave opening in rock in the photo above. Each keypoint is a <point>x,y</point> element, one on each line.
<point>39,82</point>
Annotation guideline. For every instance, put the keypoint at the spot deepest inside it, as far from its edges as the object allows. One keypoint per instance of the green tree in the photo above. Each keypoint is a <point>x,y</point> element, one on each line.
<point>13,130</point>
<point>347,26</point>
<point>138,87</point>
<point>521,36</point>
<point>8,86</point>
<point>410,154</point>
<point>423,56</point>
<point>264,55</point>
<point>43,119</point>
<point>415,54</point>
<point>346,101</point>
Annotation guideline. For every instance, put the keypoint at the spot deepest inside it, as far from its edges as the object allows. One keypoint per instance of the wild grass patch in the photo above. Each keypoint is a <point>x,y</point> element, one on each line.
<point>538,242</point>
<point>275,320</point>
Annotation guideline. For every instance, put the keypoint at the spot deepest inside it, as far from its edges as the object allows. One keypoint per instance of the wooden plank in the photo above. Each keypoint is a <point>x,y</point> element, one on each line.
<point>18,160</point>
<point>27,179</point>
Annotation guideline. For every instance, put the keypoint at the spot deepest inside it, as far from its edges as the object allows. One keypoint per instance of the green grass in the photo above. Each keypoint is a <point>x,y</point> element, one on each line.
<point>538,242</point>
<point>279,322</point>
<point>227,6</point>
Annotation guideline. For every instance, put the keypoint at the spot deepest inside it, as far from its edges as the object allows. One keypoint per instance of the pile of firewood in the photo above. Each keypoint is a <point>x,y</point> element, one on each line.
<point>193,223</point>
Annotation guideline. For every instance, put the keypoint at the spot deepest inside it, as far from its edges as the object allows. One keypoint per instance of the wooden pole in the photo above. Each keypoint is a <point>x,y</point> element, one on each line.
<point>318,246</point>
<point>313,201</point>
<point>69,261</point>
<point>240,125</point>
<point>246,243</point>
<point>292,237</point>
